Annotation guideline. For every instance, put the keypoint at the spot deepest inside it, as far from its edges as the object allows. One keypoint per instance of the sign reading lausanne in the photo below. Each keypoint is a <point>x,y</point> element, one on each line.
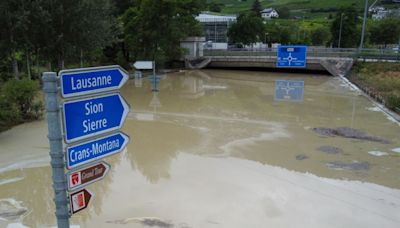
<point>292,56</point>
<point>93,116</point>
<point>85,81</point>
<point>93,150</point>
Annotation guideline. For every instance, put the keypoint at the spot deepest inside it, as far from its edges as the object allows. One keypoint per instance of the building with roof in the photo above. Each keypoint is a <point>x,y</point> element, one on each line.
<point>215,29</point>
<point>269,13</point>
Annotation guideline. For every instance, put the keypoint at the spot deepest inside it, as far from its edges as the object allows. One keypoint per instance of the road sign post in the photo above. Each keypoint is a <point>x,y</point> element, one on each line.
<point>90,117</point>
<point>96,149</point>
<point>56,148</point>
<point>291,56</point>
<point>84,81</point>
<point>143,65</point>
<point>83,119</point>
<point>80,200</point>
<point>87,175</point>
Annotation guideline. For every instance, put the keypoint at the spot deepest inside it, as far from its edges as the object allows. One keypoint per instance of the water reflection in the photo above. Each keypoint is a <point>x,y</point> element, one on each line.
<point>234,114</point>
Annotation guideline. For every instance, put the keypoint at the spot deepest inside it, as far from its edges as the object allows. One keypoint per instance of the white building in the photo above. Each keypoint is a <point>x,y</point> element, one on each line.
<point>269,13</point>
<point>215,29</point>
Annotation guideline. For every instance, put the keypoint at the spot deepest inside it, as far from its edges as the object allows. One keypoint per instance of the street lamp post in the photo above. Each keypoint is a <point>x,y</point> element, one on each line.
<point>340,30</point>
<point>364,25</point>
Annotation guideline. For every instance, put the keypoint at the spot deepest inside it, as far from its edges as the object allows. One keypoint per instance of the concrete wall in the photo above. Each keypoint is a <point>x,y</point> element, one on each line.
<point>194,47</point>
<point>335,66</point>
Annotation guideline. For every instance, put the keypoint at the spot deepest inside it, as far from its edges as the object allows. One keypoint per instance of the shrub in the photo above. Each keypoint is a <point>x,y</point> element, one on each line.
<point>9,114</point>
<point>22,93</point>
<point>393,100</point>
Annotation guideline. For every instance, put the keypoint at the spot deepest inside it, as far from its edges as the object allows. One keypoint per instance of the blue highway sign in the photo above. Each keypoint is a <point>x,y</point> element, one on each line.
<point>96,149</point>
<point>92,80</point>
<point>286,90</point>
<point>93,116</point>
<point>291,56</point>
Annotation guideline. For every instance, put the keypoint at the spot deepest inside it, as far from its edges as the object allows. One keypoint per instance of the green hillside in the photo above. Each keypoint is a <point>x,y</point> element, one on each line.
<point>297,7</point>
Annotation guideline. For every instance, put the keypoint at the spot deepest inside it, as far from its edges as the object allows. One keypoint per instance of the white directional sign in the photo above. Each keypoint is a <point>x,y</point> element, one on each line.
<point>93,116</point>
<point>83,81</point>
<point>143,65</point>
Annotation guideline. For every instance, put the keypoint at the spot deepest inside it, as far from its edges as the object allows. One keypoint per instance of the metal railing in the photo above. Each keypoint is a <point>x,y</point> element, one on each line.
<point>378,54</point>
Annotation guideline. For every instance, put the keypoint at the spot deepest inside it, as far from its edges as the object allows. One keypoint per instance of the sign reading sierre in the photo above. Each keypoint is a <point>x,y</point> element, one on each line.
<point>85,176</point>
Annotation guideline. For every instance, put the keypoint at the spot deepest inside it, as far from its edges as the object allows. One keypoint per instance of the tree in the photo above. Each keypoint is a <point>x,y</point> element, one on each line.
<point>386,31</point>
<point>13,18</point>
<point>257,8</point>
<point>215,7</point>
<point>153,29</point>
<point>320,36</point>
<point>284,12</point>
<point>348,17</point>
<point>248,29</point>
<point>281,33</point>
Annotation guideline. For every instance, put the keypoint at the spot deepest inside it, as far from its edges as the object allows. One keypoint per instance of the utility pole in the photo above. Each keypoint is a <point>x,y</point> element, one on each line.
<point>364,25</point>
<point>340,30</point>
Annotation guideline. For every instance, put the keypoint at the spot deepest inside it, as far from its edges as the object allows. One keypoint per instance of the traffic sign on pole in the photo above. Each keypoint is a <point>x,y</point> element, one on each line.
<point>80,178</point>
<point>84,81</point>
<point>291,56</point>
<point>79,200</point>
<point>288,90</point>
<point>87,152</point>
<point>143,65</point>
<point>93,116</point>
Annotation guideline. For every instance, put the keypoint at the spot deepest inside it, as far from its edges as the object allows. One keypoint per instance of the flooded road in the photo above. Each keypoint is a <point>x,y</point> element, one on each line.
<point>213,148</point>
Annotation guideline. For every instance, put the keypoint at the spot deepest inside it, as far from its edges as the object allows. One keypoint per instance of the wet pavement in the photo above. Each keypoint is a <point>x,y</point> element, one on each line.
<point>213,149</point>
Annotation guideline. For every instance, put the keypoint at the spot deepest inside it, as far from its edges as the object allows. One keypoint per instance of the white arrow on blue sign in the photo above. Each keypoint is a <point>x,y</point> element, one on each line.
<point>84,81</point>
<point>95,149</point>
<point>89,117</point>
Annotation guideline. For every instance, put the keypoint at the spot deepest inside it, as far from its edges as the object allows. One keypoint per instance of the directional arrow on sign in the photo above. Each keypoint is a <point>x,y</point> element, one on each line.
<point>80,178</point>
<point>143,65</point>
<point>84,81</point>
<point>87,152</point>
<point>93,116</point>
<point>79,200</point>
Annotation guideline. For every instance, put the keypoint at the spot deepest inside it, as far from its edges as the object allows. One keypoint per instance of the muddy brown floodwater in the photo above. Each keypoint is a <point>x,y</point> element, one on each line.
<point>213,149</point>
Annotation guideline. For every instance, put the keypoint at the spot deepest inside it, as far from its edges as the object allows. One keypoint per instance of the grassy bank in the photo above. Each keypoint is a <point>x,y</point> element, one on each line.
<point>381,80</point>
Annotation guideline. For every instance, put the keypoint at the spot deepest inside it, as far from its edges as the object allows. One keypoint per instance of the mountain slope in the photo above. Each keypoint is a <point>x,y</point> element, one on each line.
<point>237,6</point>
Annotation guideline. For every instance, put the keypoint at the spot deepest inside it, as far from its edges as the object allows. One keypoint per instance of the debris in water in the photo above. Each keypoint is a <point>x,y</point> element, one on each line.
<point>330,149</point>
<point>348,166</point>
<point>11,210</point>
<point>146,221</point>
<point>347,132</point>
<point>301,157</point>
<point>377,153</point>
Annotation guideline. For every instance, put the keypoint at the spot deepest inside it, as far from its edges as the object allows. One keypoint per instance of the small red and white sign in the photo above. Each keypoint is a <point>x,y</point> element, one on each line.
<point>79,200</point>
<point>84,176</point>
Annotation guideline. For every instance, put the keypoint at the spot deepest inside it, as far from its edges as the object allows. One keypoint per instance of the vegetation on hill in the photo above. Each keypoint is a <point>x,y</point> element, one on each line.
<point>304,8</point>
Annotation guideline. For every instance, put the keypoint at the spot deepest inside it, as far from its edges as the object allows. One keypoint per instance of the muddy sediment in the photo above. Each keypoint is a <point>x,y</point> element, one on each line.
<point>351,133</point>
<point>330,150</point>
<point>354,166</point>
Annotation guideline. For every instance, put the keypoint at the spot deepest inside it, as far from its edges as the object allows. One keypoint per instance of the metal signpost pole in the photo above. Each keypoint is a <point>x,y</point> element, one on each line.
<point>56,148</point>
